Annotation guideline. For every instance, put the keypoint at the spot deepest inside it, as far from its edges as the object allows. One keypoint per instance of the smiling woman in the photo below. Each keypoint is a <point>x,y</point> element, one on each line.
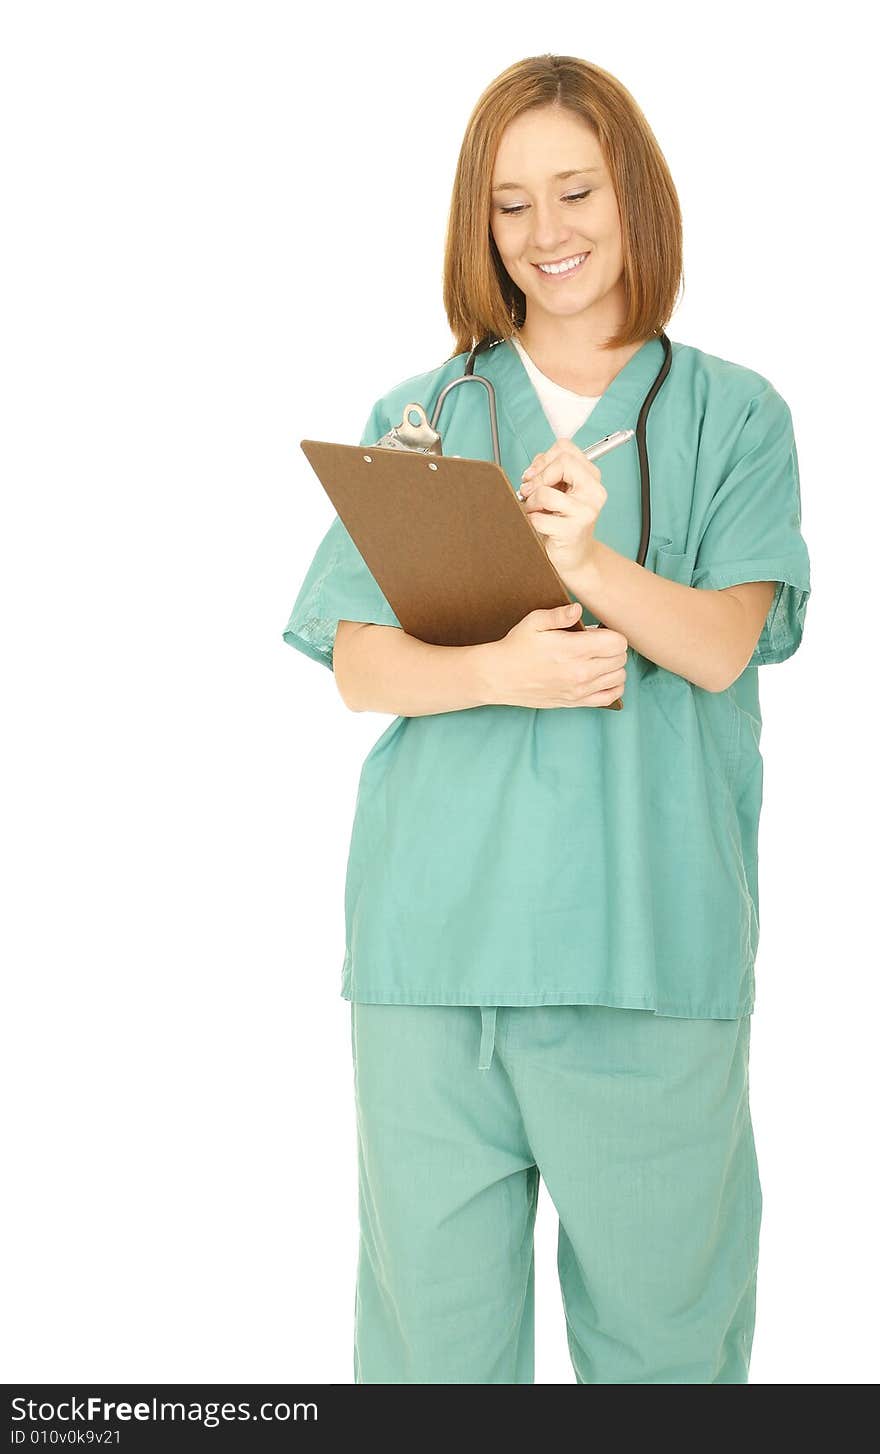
<point>551,912</point>
<point>559,239</point>
<point>565,237</point>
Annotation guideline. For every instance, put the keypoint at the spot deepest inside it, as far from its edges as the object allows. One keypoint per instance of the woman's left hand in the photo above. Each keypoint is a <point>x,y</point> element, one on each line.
<point>564,494</point>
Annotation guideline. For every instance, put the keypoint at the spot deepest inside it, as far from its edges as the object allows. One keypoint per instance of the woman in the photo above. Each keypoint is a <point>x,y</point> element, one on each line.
<point>552,914</point>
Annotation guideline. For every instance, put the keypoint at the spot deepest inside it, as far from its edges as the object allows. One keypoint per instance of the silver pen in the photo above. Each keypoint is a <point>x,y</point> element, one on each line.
<point>602,446</point>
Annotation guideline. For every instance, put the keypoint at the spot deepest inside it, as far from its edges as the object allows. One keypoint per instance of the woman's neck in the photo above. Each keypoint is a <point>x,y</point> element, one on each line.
<point>589,373</point>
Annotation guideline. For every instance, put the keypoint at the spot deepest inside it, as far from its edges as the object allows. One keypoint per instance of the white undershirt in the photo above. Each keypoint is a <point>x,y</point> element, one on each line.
<point>565,410</point>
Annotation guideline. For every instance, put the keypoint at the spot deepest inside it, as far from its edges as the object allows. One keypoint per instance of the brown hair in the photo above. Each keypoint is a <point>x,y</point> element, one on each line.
<point>482,301</point>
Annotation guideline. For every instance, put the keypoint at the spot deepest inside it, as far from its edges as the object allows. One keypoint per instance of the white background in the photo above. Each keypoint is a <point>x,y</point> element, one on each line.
<point>224,233</point>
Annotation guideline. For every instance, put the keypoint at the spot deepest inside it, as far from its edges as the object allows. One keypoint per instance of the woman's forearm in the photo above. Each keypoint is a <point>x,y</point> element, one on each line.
<point>382,669</point>
<point>698,634</point>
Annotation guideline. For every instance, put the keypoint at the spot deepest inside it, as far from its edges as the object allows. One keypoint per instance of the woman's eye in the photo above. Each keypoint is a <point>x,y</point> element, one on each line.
<point>572,197</point>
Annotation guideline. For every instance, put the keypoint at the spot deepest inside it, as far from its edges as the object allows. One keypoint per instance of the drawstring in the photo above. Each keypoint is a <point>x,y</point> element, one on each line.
<point>487,1039</point>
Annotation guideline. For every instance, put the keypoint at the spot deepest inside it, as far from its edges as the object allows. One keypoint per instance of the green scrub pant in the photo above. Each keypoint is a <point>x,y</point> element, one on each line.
<point>639,1125</point>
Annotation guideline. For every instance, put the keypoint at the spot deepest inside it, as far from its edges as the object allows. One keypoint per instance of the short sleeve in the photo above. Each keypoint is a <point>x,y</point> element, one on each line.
<point>752,527</point>
<point>338,585</point>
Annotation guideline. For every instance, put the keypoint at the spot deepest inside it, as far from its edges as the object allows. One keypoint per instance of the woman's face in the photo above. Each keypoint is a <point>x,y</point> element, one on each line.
<point>541,217</point>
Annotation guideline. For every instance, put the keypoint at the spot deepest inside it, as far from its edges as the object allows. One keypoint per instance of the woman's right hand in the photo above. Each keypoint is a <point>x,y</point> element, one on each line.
<point>540,664</point>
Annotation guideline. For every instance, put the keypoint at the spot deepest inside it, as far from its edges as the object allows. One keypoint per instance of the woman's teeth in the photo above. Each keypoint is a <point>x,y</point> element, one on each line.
<point>570,265</point>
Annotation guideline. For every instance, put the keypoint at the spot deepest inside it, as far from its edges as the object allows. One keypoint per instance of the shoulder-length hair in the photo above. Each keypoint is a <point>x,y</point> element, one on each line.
<point>482,301</point>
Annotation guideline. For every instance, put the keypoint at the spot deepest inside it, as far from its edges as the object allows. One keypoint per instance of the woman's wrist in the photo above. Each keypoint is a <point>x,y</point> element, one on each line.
<point>488,672</point>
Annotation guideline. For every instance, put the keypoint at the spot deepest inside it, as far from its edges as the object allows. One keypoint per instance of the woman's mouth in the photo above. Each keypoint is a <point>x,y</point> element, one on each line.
<point>567,268</point>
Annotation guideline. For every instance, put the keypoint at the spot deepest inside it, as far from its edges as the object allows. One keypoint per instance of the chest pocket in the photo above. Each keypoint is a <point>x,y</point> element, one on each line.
<point>673,564</point>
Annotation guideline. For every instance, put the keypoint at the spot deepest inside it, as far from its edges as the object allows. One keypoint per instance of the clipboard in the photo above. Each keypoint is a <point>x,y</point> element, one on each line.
<point>445,538</point>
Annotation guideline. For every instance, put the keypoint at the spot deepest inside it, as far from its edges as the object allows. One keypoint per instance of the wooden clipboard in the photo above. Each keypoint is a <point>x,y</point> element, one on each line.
<point>445,538</point>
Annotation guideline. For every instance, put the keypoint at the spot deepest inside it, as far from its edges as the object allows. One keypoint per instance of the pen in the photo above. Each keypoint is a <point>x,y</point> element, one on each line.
<point>602,446</point>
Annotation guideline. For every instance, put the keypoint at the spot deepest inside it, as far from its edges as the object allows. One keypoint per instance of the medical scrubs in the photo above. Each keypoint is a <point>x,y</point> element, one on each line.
<point>638,1125</point>
<point>578,889</point>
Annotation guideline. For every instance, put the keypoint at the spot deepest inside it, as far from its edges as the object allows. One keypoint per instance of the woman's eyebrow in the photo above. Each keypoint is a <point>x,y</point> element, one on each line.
<point>557,177</point>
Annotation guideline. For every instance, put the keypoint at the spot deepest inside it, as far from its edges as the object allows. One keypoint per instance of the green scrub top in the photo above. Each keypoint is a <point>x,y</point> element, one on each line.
<point>507,855</point>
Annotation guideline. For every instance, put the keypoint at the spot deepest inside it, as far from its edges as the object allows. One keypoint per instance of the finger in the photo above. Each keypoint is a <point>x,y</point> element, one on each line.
<point>606,681</point>
<point>543,525</point>
<point>573,474</point>
<point>560,471</point>
<point>557,491</point>
<point>568,474</point>
<point>610,664</point>
<point>602,642</point>
<point>550,500</point>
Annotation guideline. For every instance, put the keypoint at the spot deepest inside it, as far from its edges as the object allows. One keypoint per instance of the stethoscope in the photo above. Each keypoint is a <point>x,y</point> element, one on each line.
<point>419,436</point>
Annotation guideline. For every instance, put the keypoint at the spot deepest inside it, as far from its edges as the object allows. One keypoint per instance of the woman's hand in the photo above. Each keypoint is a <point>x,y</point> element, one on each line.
<point>541,662</point>
<point>564,494</point>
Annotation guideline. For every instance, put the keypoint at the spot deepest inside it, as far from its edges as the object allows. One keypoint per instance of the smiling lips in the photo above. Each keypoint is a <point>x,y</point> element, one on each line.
<point>563,268</point>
